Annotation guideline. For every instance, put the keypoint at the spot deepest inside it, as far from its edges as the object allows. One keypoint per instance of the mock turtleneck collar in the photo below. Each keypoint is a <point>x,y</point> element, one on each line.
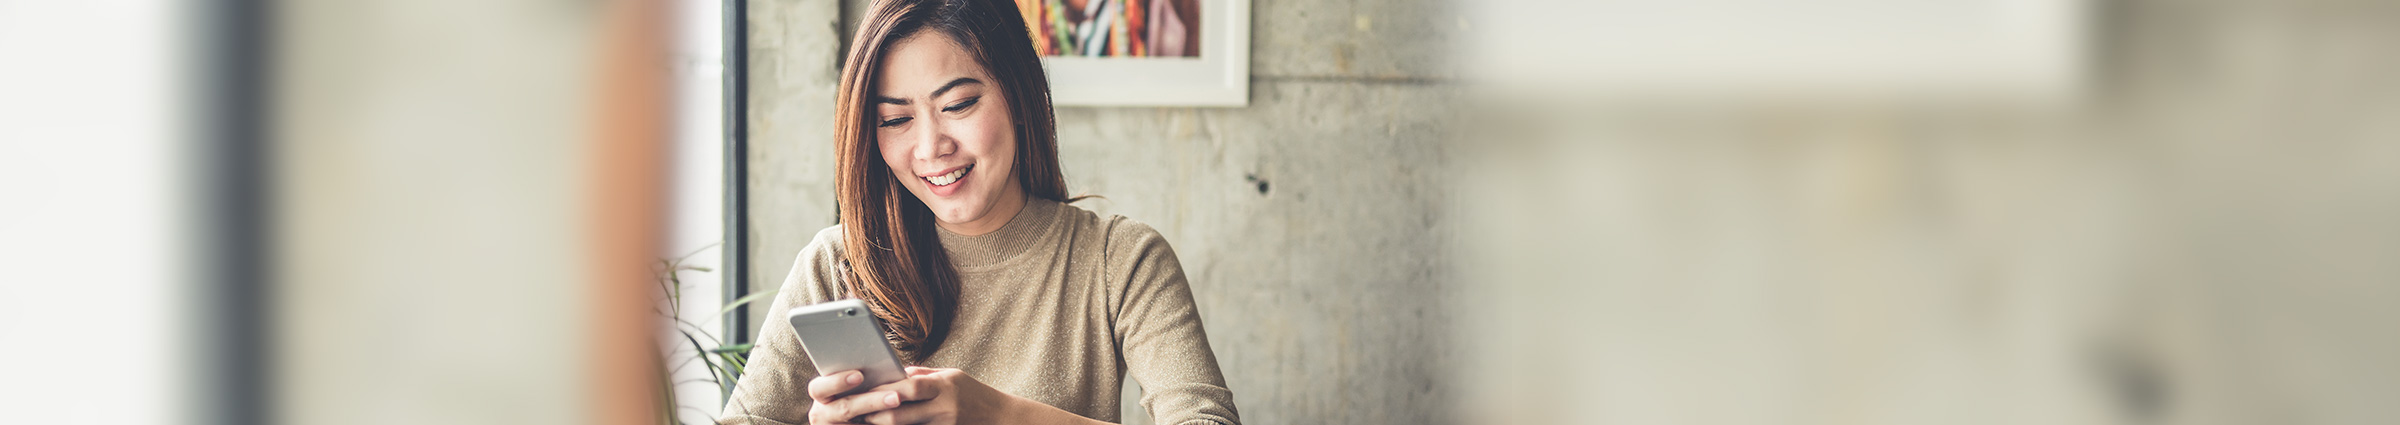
<point>1014,238</point>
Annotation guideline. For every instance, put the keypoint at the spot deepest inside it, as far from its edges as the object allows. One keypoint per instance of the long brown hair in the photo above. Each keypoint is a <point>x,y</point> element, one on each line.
<point>894,258</point>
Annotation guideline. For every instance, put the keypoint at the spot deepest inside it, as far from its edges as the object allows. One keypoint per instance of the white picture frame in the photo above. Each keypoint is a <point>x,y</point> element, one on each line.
<point>1220,77</point>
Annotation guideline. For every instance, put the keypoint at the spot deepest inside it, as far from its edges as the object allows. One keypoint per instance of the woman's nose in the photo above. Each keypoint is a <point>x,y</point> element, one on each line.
<point>935,141</point>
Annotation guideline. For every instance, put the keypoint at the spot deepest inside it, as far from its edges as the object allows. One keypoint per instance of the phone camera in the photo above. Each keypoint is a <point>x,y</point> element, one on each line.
<point>847,312</point>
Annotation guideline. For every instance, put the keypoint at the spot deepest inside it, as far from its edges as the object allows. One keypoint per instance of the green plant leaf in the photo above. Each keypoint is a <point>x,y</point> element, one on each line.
<point>725,378</point>
<point>666,395</point>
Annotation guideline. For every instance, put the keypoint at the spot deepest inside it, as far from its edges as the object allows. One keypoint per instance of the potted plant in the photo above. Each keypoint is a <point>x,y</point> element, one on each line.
<point>725,362</point>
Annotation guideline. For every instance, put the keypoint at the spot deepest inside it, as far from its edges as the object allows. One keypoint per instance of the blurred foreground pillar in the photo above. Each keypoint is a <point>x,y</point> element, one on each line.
<point>468,206</point>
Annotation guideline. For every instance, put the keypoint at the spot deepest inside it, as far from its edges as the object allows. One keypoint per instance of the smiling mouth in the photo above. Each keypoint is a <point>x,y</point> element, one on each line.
<point>949,179</point>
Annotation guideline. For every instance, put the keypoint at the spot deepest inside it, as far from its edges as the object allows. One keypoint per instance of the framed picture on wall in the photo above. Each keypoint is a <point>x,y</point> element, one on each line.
<point>1143,52</point>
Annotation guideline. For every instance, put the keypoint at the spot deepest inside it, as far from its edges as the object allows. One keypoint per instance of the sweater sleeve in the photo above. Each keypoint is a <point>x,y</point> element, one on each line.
<point>774,386</point>
<point>1158,330</point>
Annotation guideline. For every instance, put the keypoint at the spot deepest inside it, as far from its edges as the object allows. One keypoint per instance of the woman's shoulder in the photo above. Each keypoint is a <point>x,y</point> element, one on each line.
<point>828,240</point>
<point>824,248</point>
<point>1135,261</point>
<point>818,265</point>
<point>1124,241</point>
<point>1113,229</point>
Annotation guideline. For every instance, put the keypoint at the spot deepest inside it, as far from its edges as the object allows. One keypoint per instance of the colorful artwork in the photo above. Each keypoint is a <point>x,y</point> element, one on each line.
<point>1113,28</point>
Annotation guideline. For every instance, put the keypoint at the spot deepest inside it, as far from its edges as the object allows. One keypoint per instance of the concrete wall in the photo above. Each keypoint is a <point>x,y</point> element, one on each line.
<point>793,67</point>
<point>1311,223</point>
<point>2262,135</point>
<point>2205,236</point>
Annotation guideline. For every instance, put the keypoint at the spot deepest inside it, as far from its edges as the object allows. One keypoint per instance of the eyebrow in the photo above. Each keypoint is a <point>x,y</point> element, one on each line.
<point>936,92</point>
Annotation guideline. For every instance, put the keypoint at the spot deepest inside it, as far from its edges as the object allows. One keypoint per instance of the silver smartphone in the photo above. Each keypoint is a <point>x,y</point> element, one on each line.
<point>843,335</point>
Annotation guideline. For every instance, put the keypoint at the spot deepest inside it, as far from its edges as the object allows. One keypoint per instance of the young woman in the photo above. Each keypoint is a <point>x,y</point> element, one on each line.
<point>1013,306</point>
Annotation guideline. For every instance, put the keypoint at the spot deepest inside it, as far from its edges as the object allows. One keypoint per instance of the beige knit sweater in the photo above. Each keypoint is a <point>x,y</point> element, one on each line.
<point>1056,306</point>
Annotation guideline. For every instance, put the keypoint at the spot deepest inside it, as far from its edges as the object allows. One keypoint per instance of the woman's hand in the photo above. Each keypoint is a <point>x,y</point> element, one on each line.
<point>945,397</point>
<point>832,411</point>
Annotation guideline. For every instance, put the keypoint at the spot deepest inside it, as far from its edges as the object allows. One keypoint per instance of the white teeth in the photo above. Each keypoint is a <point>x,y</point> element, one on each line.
<point>947,179</point>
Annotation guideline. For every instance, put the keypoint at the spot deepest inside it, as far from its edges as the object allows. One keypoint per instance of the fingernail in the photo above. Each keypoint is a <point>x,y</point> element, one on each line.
<point>892,400</point>
<point>855,377</point>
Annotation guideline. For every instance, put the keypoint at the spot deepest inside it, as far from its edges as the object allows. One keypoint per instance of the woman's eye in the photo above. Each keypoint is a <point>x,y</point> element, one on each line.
<point>893,122</point>
<point>961,105</point>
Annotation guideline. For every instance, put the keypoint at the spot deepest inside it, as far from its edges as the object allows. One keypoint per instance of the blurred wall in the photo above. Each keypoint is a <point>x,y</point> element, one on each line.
<point>1312,223</point>
<point>2261,281</point>
<point>2204,234</point>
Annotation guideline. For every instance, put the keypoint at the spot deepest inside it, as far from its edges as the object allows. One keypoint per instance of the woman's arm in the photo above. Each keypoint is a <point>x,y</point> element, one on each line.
<point>1158,330</point>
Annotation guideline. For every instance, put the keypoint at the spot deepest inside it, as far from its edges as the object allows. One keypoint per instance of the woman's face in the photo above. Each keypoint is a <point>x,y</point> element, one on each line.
<point>945,132</point>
